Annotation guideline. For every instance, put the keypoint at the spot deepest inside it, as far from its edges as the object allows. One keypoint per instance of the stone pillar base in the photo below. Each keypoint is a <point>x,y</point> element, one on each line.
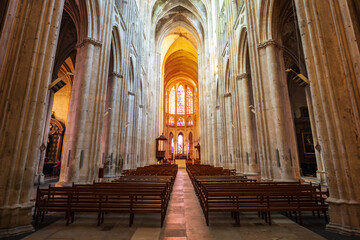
<point>344,216</point>
<point>39,179</point>
<point>320,175</point>
<point>251,174</point>
<point>284,180</point>
<point>16,230</point>
<point>15,220</point>
<point>63,184</point>
<point>346,230</point>
<point>109,175</point>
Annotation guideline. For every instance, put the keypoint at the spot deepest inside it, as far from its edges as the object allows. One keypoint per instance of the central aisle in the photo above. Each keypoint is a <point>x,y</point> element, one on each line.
<point>185,220</point>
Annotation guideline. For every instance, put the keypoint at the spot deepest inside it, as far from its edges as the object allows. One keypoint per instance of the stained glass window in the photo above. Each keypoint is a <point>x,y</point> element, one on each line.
<point>172,101</point>
<point>190,122</point>
<point>181,100</point>
<point>180,144</point>
<point>189,101</point>
<point>181,122</point>
<point>171,121</point>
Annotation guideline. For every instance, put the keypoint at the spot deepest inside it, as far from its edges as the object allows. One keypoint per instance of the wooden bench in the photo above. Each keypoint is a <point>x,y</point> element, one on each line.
<point>263,199</point>
<point>225,193</point>
<point>102,198</point>
<point>153,170</point>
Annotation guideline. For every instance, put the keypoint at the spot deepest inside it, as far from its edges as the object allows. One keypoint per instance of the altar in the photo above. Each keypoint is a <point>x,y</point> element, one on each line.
<point>181,163</point>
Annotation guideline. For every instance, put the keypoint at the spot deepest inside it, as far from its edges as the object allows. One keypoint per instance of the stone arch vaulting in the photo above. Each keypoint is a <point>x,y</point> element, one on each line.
<point>251,113</point>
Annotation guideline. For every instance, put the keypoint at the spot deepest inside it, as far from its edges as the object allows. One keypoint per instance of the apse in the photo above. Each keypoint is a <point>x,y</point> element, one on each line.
<point>180,109</point>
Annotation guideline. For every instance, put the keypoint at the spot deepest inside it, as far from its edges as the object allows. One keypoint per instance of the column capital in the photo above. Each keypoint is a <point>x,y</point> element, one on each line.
<point>92,41</point>
<point>116,74</point>
<point>243,76</point>
<point>268,43</point>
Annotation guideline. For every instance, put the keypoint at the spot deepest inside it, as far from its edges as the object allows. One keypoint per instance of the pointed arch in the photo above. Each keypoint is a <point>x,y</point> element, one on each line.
<point>190,144</point>
<point>171,121</point>
<point>227,77</point>
<point>190,122</point>
<point>273,14</point>
<point>242,51</point>
<point>116,49</point>
<point>180,145</point>
<point>131,81</point>
<point>171,143</point>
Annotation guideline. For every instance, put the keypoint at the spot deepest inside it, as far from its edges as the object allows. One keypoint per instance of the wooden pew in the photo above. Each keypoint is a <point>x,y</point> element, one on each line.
<point>147,192</point>
<point>102,198</point>
<point>263,199</point>
<point>225,193</point>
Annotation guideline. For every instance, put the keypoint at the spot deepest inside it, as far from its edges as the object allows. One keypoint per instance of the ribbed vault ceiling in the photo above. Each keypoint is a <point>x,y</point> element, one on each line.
<point>179,27</point>
<point>180,57</point>
<point>191,13</point>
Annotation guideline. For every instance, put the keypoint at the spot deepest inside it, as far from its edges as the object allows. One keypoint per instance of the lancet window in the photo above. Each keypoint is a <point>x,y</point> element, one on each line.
<point>190,122</point>
<point>181,100</point>
<point>189,101</point>
<point>171,121</point>
<point>172,101</point>
<point>180,144</point>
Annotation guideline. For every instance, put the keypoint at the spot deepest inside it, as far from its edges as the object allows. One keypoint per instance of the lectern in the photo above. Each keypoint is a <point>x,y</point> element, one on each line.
<point>160,152</point>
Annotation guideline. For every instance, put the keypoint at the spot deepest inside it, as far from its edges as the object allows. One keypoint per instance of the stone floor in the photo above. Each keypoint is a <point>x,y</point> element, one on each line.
<point>184,220</point>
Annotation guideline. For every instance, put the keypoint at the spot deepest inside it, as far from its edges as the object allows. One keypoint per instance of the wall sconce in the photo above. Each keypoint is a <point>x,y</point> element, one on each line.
<point>57,84</point>
<point>301,76</point>
<point>252,109</point>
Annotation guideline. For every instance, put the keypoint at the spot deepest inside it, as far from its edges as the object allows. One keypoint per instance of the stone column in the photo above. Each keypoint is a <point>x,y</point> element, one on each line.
<point>241,127</point>
<point>28,41</point>
<point>281,138</point>
<point>39,177</point>
<point>220,138</point>
<point>122,119</point>
<point>229,132</point>
<point>129,128</point>
<point>138,136</point>
<point>320,173</point>
<point>111,128</point>
<point>332,60</point>
<point>77,159</point>
<point>252,168</point>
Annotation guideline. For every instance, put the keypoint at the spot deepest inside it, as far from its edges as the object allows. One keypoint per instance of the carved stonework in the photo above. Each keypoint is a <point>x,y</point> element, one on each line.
<point>92,41</point>
<point>268,43</point>
<point>243,76</point>
<point>116,74</point>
